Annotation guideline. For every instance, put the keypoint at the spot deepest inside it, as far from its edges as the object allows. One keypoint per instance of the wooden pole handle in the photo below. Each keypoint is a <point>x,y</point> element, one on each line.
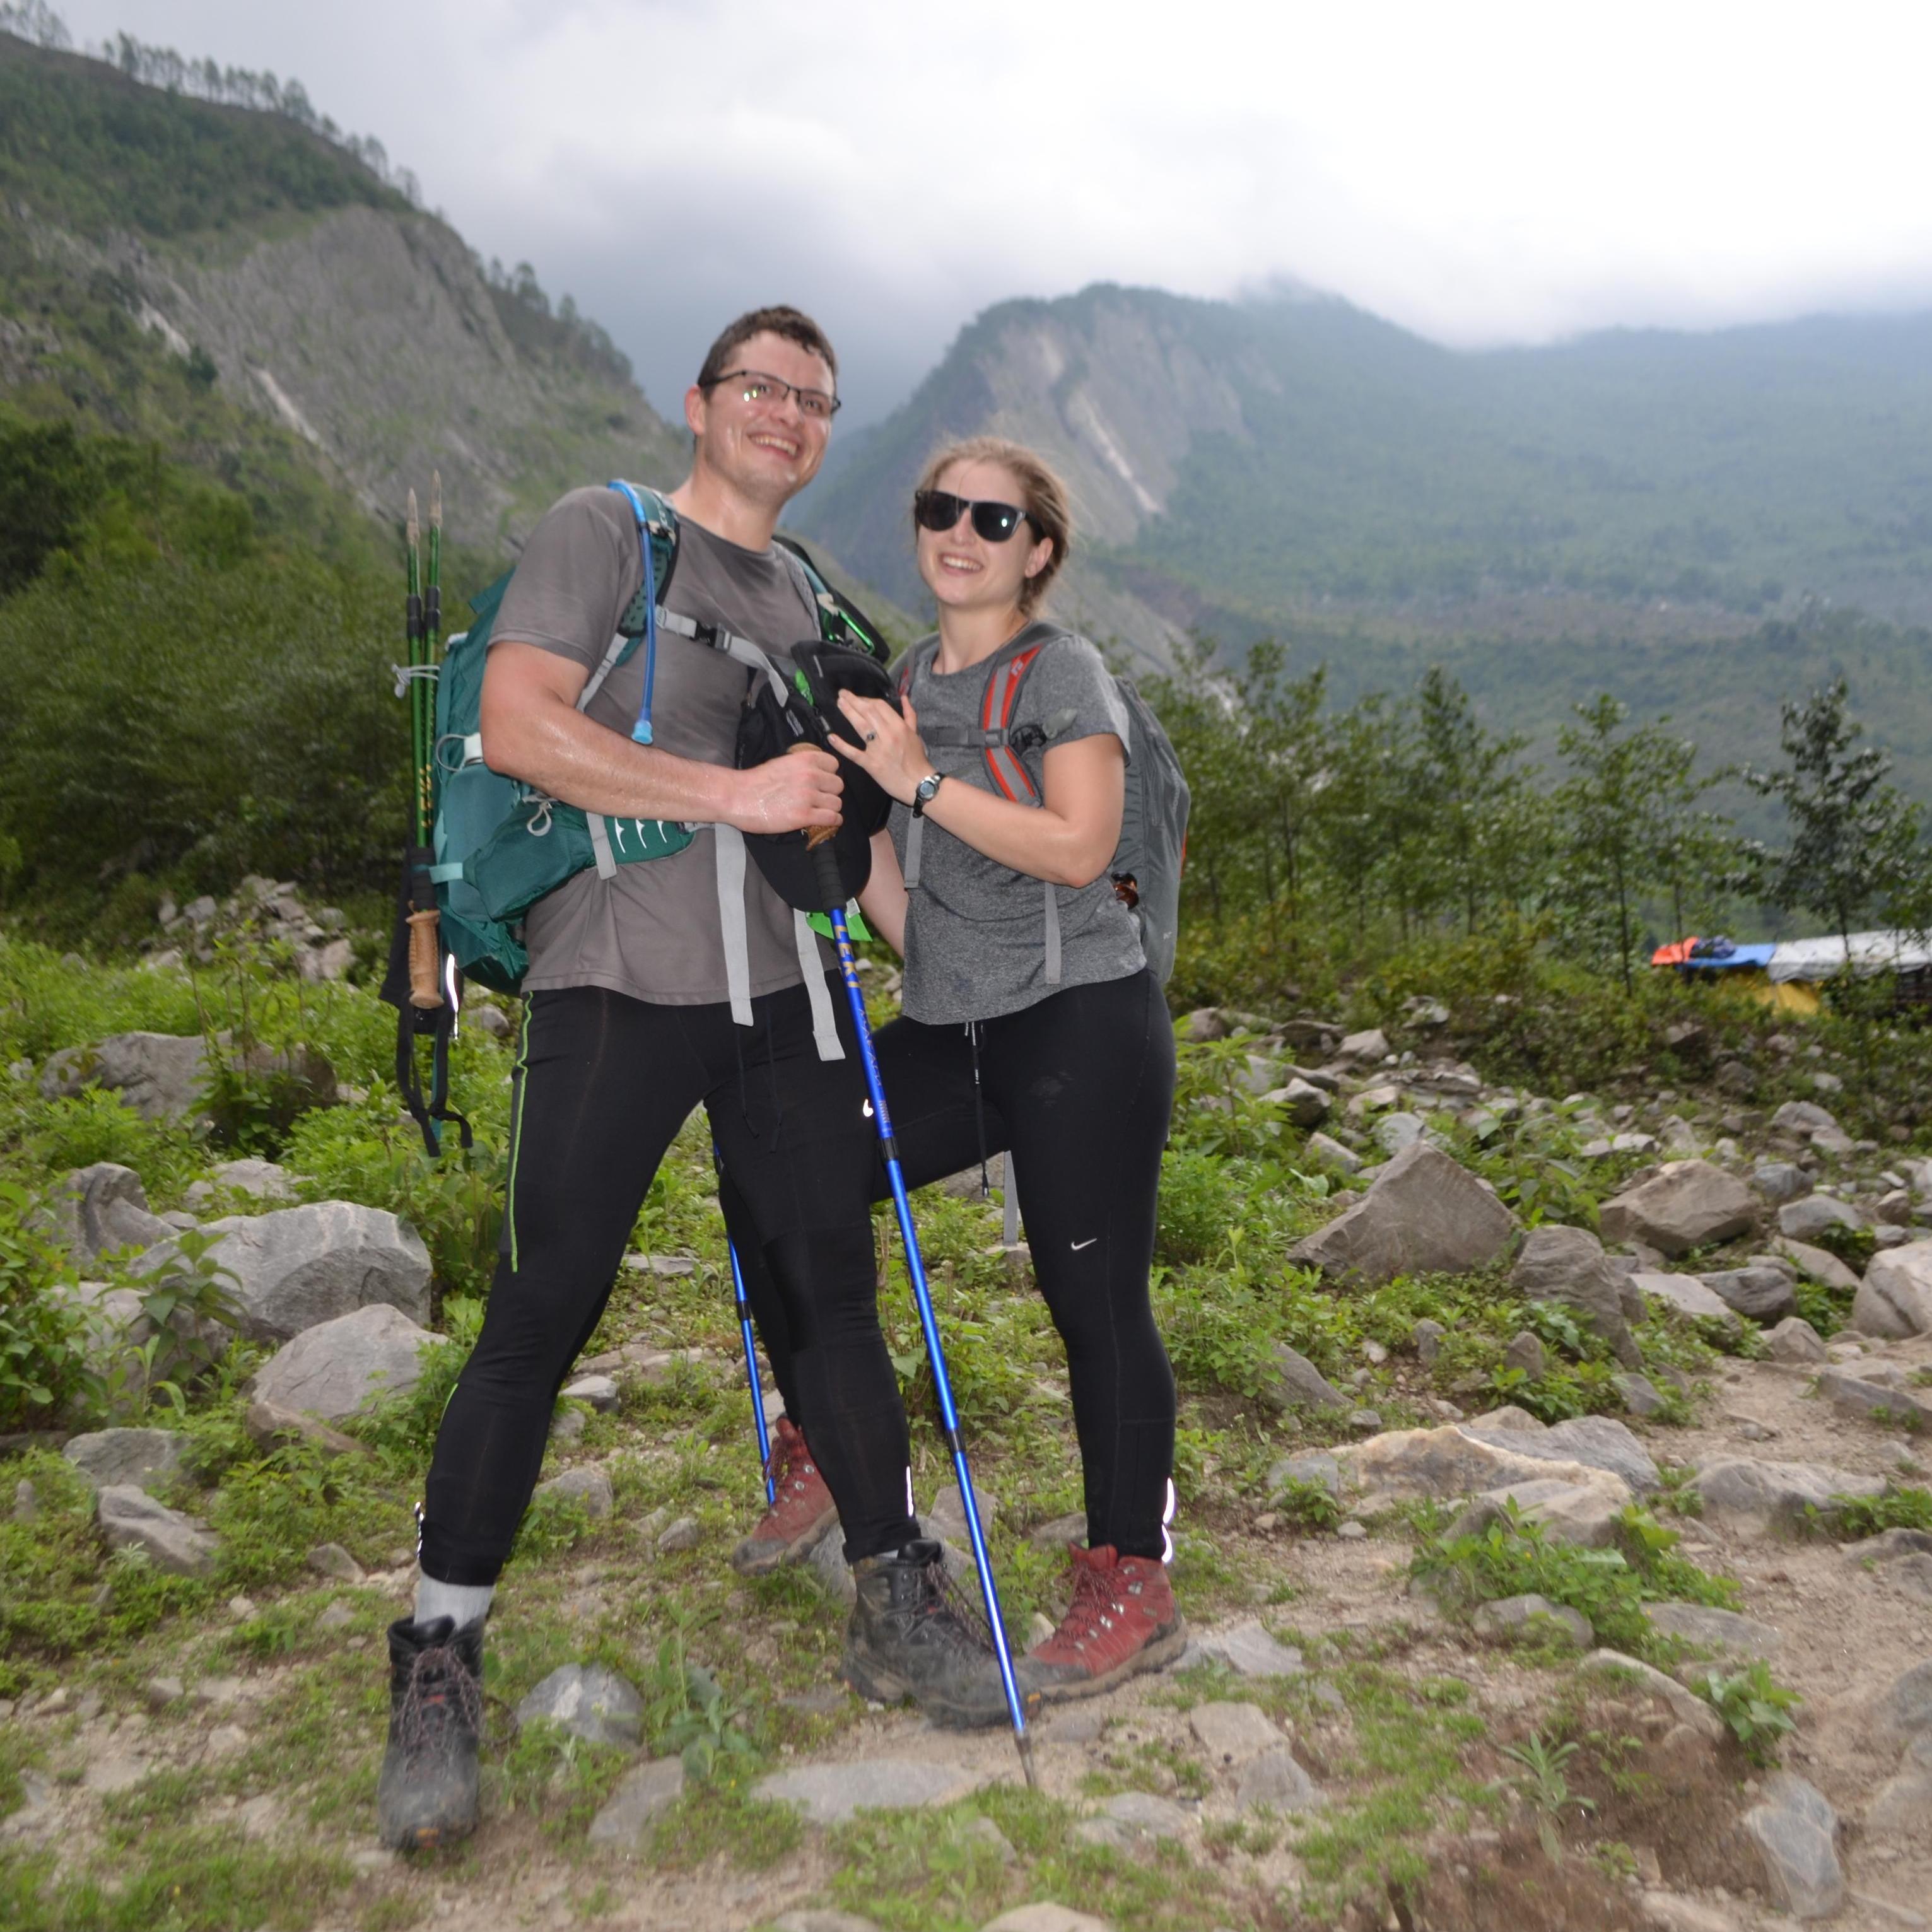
<point>425,988</point>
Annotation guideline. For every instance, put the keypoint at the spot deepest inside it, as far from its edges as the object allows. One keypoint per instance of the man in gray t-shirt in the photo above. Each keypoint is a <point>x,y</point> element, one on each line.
<point>630,1025</point>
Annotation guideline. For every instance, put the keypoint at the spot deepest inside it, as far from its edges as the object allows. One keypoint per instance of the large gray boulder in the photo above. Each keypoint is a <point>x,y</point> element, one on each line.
<point>1759,1496</point>
<point>98,1209</point>
<point>1795,1831</point>
<point>131,1518</point>
<point>1568,1265</point>
<point>299,1266</point>
<point>1895,1300</point>
<point>112,1458</point>
<point>160,1074</point>
<point>1763,1293</point>
<point>332,1370</point>
<point>1404,1465</point>
<point>1596,1441</point>
<point>1686,1294</point>
<point>1685,1204</point>
<point>1425,1214</point>
<point>1816,1214</point>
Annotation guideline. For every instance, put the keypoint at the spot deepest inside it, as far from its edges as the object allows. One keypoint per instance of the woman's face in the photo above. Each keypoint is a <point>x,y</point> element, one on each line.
<point>962,570</point>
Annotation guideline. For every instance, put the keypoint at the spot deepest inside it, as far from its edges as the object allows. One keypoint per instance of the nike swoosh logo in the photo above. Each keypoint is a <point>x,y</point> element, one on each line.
<point>1077,1245</point>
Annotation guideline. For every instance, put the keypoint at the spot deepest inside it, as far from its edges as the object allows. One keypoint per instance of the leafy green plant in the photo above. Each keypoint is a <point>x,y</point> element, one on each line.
<point>193,1314</point>
<point>1904,1508</point>
<point>1311,1503</point>
<point>1543,1781</point>
<point>1514,1557</point>
<point>44,1364</point>
<point>1757,1707</point>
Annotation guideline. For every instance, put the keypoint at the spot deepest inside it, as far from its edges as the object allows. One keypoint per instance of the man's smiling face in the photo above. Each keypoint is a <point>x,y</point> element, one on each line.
<point>769,450</point>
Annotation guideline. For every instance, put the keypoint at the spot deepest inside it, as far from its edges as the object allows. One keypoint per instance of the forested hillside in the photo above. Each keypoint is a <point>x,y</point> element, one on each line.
<point>1681,520</point>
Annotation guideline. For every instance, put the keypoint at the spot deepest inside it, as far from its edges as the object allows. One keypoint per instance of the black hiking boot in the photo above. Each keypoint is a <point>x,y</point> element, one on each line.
<point>427,1795</point>
<point>912,1636</point>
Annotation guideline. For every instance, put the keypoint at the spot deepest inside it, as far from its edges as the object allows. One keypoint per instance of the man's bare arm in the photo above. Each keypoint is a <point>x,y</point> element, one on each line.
<point>533,730</point>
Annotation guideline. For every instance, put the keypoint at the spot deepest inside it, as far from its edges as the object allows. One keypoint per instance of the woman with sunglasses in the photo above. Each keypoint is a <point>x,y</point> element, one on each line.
<point>1031,1021</point>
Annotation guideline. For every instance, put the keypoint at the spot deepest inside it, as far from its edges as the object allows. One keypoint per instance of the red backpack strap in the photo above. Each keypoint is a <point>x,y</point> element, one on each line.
<point>996,706</point>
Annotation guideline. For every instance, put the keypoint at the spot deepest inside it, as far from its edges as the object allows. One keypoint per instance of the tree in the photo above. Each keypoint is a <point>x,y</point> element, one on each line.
<point>1853,844</point>
<point>1622,820</point>
<point>1464,783</point>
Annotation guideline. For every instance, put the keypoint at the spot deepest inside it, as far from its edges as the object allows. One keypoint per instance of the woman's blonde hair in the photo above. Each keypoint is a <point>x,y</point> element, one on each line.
<point>1043,496</point>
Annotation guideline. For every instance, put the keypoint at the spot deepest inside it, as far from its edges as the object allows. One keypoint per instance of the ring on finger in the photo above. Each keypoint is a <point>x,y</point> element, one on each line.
<point>870,736</point>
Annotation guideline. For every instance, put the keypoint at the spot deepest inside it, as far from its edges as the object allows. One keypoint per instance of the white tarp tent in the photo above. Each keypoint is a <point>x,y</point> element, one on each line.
<point>1816,959</point>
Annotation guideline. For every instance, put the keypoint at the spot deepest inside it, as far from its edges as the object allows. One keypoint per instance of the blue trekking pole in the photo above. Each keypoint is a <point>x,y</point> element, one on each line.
<point>751,1353</point>
<point>825,866</point>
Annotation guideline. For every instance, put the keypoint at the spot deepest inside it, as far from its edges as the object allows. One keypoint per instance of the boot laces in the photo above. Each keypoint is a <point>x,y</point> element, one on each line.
<point>442,1691</point>
<point>1095,1604</point>
<point>948,1613</point>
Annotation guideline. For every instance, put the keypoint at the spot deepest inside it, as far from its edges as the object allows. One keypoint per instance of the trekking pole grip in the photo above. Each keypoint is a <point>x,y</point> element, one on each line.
<point>825,866</point>
<point>425,988</point>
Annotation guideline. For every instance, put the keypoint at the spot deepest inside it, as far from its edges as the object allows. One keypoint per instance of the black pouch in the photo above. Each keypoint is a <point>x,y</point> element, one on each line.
<point>815,674</point>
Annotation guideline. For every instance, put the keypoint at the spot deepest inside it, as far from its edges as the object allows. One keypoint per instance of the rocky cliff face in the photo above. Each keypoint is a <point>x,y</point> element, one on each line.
<point>369,334</point>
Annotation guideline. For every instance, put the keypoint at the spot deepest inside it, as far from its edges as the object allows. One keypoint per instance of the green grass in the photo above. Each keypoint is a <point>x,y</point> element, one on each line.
<point>1610,1587</point>
<point>1854,1517</point>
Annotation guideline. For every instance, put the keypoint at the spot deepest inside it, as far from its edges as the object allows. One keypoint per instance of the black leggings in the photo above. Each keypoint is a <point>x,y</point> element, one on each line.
<point>604,1084</point>
<point>1079,1088</point>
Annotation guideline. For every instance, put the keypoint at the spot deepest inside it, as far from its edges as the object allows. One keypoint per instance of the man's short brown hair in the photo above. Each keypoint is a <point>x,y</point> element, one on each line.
<point>792,325</point>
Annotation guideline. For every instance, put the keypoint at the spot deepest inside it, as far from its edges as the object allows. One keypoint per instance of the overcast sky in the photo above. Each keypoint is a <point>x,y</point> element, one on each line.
<point>1480,173</point>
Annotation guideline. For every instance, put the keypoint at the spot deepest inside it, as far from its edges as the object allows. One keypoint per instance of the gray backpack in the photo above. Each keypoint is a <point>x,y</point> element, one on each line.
<point>1146,867</point>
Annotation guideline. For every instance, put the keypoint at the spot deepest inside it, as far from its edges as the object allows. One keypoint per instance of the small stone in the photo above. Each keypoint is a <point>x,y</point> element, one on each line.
<point>589,1485</point>
<point>1641,1396</point>
<point>1352,1531</point>
<point>641,1796</point>
<point>226,1740</point>
<point>684,1534</point>
<point>1685,1705</point>
<point>1794,1339</point>
<point>331,1559</point>
<point>1298,1383</point>
<point>828,1794</point>
<point>1427,1337</point>
<point>1248,1650</point>
<point>1780,1181</point>
<point>1057,1533</point>
<point>1525,1352</point>
<point>1232,1733</point>
<point>1795,1830</point>
<point>588,1700</point>
<point>600,1392</point>
<point>1903,1712</point>
<point>131,1518</point>
<point>1330,1153</point>
<point>336,1616</point>
<point>567,1425</point>
<point>1045,1917</point>
<point>146,1458</point>
<point>1806,1219</point>
<point>1759,1294</point>
<point>1514,1616</point>
<point>1724,1631</point>
<point>26,1501</point>
<point>161,1692</point>
<point>1275,1781</point>
<point>269,1425</point>
<point>1145,1816</point>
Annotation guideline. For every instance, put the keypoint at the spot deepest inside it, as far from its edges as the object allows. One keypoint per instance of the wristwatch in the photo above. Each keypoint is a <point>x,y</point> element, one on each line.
<point>925,791</point>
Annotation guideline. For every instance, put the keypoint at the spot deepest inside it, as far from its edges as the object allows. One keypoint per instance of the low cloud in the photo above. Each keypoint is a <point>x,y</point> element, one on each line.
<point>1481,174</point>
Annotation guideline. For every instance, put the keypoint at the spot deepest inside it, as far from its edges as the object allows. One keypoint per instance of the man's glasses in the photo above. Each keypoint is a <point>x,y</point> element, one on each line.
<point>758,387</point>
<point>992,523</point>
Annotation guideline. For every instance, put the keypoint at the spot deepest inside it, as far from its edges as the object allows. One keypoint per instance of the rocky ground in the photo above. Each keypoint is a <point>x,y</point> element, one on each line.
<point>1537,1576</point>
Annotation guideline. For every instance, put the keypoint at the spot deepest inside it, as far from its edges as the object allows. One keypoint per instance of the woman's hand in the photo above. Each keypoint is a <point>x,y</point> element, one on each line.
<point>893,752</point>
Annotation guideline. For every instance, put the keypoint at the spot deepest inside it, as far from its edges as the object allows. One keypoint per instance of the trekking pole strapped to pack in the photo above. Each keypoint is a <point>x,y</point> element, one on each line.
<point>833,895</point>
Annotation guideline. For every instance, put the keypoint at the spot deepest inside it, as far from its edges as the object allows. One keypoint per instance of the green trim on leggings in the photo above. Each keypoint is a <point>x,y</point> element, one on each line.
<point>516,1133</point>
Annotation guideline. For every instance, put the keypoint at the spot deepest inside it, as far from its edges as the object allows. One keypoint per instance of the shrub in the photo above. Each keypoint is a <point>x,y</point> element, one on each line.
<point>43,1367</point>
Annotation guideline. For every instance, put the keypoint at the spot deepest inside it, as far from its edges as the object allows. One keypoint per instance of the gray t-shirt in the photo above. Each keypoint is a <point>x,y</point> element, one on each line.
<point>653,931</point>
<point>976,930</point>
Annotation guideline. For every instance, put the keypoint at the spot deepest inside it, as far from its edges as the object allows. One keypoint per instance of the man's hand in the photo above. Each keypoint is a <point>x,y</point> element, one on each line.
<point>801,789</point>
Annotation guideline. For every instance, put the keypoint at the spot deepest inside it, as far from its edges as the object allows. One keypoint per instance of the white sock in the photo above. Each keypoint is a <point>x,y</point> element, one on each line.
<point>462,1603</point>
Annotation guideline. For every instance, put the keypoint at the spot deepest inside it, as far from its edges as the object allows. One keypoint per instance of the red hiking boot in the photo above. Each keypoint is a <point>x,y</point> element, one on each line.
<point>796,1523</point>
<point>1122,1621</point>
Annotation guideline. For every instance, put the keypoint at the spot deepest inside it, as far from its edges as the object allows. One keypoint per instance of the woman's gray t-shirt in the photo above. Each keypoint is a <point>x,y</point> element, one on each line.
<point>976,930</point>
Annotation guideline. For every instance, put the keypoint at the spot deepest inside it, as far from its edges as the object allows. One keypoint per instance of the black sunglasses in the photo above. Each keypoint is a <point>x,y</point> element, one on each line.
<point>992,523</point>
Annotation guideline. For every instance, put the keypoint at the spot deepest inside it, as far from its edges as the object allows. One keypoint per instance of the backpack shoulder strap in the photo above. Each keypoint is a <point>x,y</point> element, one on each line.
<point>840,620</point>
<point>1006,679</point>
<point>657,548</point>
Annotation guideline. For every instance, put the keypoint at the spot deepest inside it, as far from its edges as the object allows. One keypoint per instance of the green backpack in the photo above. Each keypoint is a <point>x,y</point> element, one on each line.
<point>499,845</point>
